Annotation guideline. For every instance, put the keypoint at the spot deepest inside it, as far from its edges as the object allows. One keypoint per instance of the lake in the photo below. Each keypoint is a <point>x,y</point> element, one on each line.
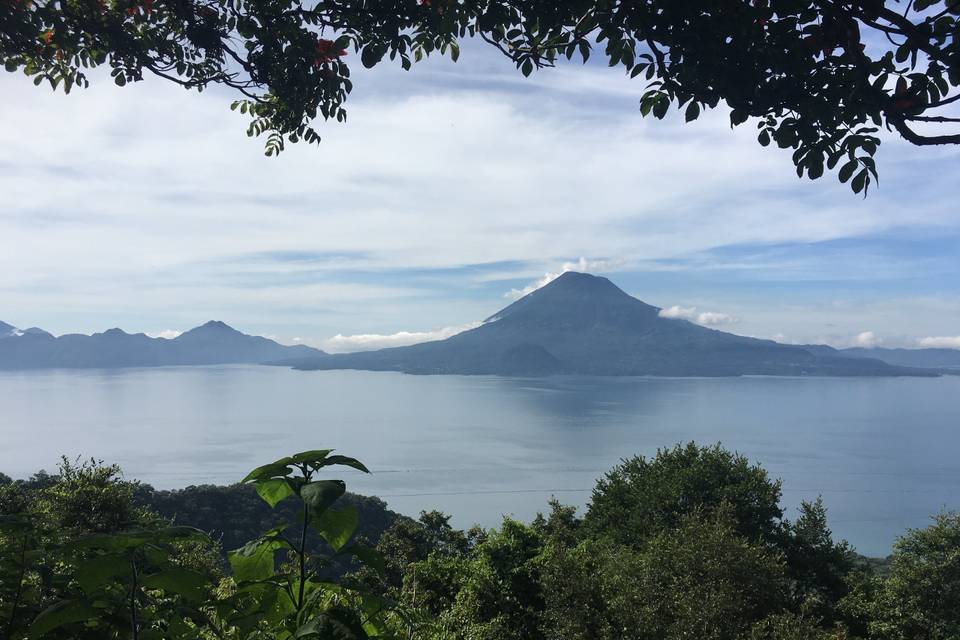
<point>883,452</point>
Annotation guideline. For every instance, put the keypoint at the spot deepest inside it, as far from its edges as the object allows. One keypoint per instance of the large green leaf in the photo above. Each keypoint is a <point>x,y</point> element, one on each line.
<point>321,494</point>
<point>279,468</point>
<point>59,614</point>
<point>337,526</point>
<point>346,461</point>
<point>189,584</point>
<point>254,560</point>
<point>274,490</point>
<point>93,573</point>
<point>111,542</point>
<point>135,539</point>
<point>314,457</point>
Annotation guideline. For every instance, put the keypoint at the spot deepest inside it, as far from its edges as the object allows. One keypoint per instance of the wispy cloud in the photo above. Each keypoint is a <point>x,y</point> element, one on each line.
<point>582,265</point>
<point>705,318</point>
<point>866,339</point>
<point>166,334</point>
<point>942,342</point>
<point>370,341</point>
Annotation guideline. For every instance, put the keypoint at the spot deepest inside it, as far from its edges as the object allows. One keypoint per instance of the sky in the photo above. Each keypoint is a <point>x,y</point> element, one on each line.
<point>450,191</point>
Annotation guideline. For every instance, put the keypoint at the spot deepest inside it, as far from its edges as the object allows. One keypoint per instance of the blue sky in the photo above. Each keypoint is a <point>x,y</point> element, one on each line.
<point>450,189</point>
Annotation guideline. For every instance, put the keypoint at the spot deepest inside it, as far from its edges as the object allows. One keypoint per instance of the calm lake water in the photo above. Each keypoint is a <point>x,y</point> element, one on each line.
<point>883,453</point>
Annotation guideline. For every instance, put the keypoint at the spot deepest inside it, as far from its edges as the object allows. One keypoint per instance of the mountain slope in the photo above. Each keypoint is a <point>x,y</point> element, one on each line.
<point>929,358</point>
<point>8,330</point>
<point>583,324</point>
<point>212,343</point>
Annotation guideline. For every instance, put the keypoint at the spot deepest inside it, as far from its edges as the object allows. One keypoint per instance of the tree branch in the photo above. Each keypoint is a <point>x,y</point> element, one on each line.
<point>945,101</point>
<point>932,118</point>
<point>915,138</point>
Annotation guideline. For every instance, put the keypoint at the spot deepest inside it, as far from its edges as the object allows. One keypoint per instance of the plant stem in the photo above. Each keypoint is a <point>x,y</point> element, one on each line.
<point>133,601</point>
<point>303,554</point>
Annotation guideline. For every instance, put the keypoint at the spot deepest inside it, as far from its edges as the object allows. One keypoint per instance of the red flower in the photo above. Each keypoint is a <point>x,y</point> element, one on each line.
<point>904,103</point>
<point>47,37</point>
<point>326,52</point>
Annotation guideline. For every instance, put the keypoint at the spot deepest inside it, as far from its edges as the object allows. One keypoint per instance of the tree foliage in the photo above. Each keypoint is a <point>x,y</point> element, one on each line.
<point>817,77</point>
<point>641,497</point>
<point>697,551</point>
<point>79,560</point>
<point>920,598</point>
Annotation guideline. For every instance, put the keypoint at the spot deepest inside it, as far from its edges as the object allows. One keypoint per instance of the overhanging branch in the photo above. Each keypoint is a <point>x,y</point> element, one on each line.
<point>913,137</point>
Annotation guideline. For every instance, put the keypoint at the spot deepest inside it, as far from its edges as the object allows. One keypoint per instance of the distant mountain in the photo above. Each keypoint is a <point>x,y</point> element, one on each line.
<point>212,343</point>
<point>584,324</point>
<point>8,330</point>
<point>924,358</point>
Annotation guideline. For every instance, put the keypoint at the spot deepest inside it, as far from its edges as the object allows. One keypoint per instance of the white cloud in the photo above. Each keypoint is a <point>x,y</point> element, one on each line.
<point>167,334</point>
<point>678,312</point>
<point>867,339</point>
<point>940,342</point>
<point>714,319</point>
<point>705,318</point>
<point>105,221</point>
<point>582,265</point>
<point>371,341</point>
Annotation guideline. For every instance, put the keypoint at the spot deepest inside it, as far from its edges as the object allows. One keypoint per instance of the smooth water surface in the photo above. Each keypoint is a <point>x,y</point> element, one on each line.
<point>883,452</point>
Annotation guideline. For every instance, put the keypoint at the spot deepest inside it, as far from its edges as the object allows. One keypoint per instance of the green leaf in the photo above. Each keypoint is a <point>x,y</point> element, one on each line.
<point>254,560</point>
<point>847,170</point>
<point>764,138</point>
<point>273,491</point>
<point>859,182</point>
<point>98,571</point>
<point>107,542</point>
<point>279,468</point>
<point>345,461</point>
<point>738,117</point>
<point>59,614</point>
<point>370,55</point>
<point>321,494</point>
<point>692,112</point>
<point>313,458</point>
<point>189,584</point>
<point>661,106</point>
<point>337,526</point>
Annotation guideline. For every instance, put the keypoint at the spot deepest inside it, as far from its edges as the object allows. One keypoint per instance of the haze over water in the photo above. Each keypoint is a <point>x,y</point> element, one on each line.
<point>881,451</point>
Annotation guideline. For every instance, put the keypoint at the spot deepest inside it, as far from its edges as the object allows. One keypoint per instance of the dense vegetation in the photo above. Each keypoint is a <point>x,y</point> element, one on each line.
<point>818,77</point>
<point>689,544</point>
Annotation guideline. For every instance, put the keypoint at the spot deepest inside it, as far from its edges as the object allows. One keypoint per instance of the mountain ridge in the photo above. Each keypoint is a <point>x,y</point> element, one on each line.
<point>214,342</point>
<point>585,325</point>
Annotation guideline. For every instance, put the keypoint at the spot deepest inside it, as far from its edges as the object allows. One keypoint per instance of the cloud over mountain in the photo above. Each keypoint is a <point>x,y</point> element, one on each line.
<point>369,341</point>
<point>943,342</point>
<point>705,318</point>
<point>583,265</point>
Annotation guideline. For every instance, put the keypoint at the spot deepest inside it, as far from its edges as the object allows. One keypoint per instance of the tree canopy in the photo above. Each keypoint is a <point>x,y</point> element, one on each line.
<point>698,553</point>
<point>818,77</point>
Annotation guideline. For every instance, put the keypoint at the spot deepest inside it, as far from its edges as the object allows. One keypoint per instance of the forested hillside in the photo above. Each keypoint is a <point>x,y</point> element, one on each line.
<point>692,543</point>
